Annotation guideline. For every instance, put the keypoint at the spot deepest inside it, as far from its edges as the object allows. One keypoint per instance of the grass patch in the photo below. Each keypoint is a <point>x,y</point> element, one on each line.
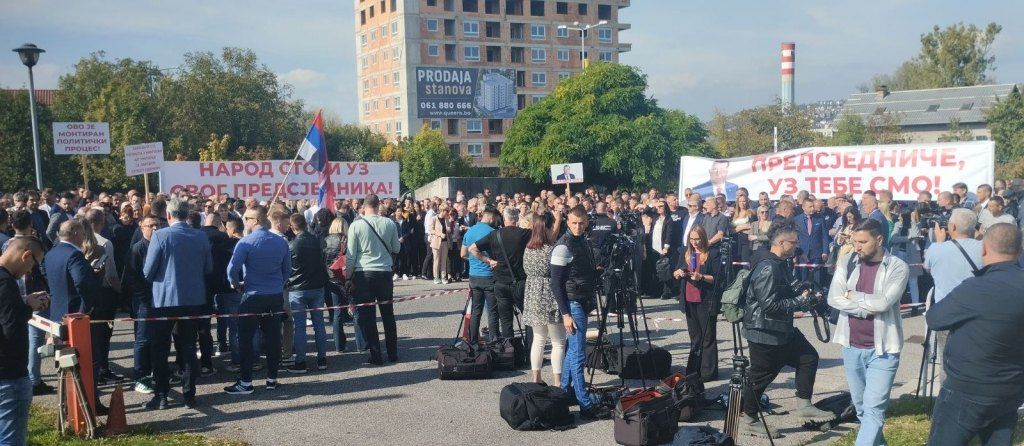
<point>42,431</point>
<point>907,422</point>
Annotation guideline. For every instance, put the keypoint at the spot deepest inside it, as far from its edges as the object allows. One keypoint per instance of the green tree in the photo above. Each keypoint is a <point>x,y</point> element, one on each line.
<point>351,142</point>
<point>955,56</point>
<point>956,133</point>
<point>1006,122</point>
<point>426,157</point>
<point>17,165</point>
<point>751,131</point>
<point>216,149</point>
<point>851,130</point>
<point>603,119</point>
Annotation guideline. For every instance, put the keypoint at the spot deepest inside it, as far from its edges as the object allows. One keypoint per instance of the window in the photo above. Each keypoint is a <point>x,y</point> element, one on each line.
<point>376,104</point>
<point>387,104</point>
<point>366,107</point>
<point>385,81</point>
<point>537,32</point>
<point>604,12</point>
<point>394,28</point>
<point>520,78</point>
<point>981,138</point>
<point>383,6</point>
<point>582,9</point>
<point>455,149</point>
<point>604,34</point>
<point>366,85</point>
<point>432,25</point>
<point>538,55</point>
<point>362,17</point>
<point>474,126</point>
<point>387,127</point>
<point>433,50</point>
<point>383,31</point>
<point>394,5</point>
<point>537,98</point>
<point>563,75</point>
<point>561,32</point>
<point>470,6</point>
<point>471,53</point>
<point>561,7</point>
<point>536,8</point>
<point>495,126</point>
<point>373,59</point>
<point>398,102</point>
<point>453,126</point>
<point>449,27</point>
<point>492,6</point>
<point>471,29</point>
<point>514,7</point>
<point>435,124</point>
<point>398,128</point>
<point>492,29</point>
<point>515,31</point>
<point>396,53</point>
<point>371,12</point>
<point>933,108</point>
<point>966,106</point>
<point>563,55</point>
<point>373,82</point>
<point>494,54</point>
<point>362,39</point>
<point>605,56</point>
<point>449,52</point>
<point>520,101</point>
<point>373,35</point>
<point>365,65</point>
<point>475,150</point>
<point>394,78</point>
<point>432,3</point>
<point>449,5</point>
<point>540,79</point>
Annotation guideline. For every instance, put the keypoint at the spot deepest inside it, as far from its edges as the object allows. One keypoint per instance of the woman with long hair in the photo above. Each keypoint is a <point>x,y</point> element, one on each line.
<point>742,220</point>
<point>699,266</point>
<point>844,236</point>
<point>540,311</point>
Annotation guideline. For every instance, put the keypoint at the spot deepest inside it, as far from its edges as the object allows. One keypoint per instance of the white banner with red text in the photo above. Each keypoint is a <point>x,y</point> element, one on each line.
<point>260,179</point>
<point>904,169</point>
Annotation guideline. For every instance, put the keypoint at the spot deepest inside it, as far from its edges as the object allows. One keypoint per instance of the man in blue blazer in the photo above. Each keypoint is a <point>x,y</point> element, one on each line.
<point>177,262</point>
<point>814,240</point>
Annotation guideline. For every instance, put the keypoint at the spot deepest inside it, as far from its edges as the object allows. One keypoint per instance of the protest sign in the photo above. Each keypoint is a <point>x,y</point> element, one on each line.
<point>566,173</point>
<point>260,179</point>
<point>81,138</point>
<point>904,169</point>
<point>140,159</point>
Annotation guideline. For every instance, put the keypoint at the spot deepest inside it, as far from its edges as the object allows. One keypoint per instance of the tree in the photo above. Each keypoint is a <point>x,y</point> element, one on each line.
<point>957,56</point>
<point>426,157</point>
<point>216,149</point>
<point>1005,120</point>
<point>751,131</point>
<point>391,152</point>
<point>17,165</point>
<point>351,142</point>
<point>851,130</point>
<point>603,119</point>
<point>956,133</point>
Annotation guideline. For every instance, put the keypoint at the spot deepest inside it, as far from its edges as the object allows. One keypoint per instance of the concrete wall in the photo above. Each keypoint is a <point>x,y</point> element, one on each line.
<point>446,187</point>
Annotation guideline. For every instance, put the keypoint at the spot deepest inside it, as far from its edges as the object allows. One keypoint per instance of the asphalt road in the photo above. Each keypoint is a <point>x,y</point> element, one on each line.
<point>405,403</point>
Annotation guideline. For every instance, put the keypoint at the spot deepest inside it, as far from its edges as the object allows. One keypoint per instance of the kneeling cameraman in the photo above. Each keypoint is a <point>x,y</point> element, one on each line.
<point>768,326</point>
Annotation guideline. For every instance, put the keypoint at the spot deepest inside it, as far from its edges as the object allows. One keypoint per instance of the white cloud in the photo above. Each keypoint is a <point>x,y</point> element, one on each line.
<point>303,78</point>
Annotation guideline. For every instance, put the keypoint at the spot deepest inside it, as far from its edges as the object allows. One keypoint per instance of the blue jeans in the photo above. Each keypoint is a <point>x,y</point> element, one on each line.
<point>573,379</point>
<point>228,303</point>
<point>958,417</point>
<point>15,400</point>
<point>269,326</point>
<point>143,336</point>
<point>300,301</point>
<point>36,339</point>
<point>870,377</point>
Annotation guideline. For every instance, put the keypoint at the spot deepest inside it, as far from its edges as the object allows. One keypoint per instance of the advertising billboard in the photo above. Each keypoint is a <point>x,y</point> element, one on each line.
<point>451,92</point>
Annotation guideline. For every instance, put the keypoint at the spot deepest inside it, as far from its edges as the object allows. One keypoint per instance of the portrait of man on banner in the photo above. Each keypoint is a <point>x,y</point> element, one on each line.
<point>717,183</point>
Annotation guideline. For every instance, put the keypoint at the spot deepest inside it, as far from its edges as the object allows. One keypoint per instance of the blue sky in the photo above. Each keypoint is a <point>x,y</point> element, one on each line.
<point>700,56</point>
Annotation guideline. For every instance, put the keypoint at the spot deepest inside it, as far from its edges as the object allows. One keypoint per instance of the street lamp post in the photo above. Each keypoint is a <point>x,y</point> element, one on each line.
<point>29,54</point>
<point>583,39</point>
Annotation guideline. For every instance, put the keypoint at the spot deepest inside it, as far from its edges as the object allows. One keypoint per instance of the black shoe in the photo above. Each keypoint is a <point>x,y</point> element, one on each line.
<point>321,363</point>
<point>42,389</point>
<point>101,410</point>
<point>158,402</point>
<point>392,357</point>
<point>596,413</point>
<point>107,375</point>
<point>190,402</point>
<point>298,367</point>
<point>374,359</point>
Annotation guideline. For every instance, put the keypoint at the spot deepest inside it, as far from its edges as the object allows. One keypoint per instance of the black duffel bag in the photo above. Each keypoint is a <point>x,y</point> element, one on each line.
<point>535,406</point>
<point>512,353</point>
<point>689,394</point>
<point>646,417</point>
<point>603,356</point>
<point>463,361</point>
<point>647,363</point>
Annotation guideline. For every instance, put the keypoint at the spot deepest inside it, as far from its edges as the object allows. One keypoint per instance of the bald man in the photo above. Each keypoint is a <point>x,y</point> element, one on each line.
<point>984,366</point>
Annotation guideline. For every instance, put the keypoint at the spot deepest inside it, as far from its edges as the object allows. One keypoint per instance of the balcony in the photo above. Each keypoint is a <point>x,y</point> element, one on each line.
<point>623,26</point>
<point>625,47</point>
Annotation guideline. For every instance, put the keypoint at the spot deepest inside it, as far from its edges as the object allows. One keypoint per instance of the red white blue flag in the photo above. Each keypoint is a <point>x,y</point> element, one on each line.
<point>314,150</point>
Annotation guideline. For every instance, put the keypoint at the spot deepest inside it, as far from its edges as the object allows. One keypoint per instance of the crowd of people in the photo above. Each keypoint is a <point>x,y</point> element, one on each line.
<point>538,255</point>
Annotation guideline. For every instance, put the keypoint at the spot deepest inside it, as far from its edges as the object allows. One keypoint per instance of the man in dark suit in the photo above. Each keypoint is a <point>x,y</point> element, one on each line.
<point>717,183</point>
<point>566,175</point>
<point>813,237</point>
<point>61,214</point>
<point>72,282</point>
<point>177,262</point>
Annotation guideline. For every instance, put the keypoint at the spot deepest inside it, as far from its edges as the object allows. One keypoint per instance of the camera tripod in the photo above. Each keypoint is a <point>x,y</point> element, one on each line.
<point>739,384</point>
<point>620,299</point>
<point>929,359</point>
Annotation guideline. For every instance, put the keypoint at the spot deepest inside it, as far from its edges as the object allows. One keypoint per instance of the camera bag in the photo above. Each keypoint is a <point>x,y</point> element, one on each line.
<point>535,406</point>
<point>650,362</point>
<point>646,417</point>
<point>460,360</point>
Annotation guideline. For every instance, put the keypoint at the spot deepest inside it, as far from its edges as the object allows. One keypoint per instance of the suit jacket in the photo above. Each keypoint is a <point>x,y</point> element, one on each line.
<point>439,233</point>
<point>70,280</point>
<point>669,235</point>
<point>56,219</point>
<point>561,177</point>
<point>706,190</point>
<point>176,264</point>
<point>815,242</point>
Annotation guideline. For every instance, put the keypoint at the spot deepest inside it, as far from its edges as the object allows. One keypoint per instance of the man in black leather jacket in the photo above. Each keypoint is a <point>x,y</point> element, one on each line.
<point>305,291</point>
<point>774,342</point>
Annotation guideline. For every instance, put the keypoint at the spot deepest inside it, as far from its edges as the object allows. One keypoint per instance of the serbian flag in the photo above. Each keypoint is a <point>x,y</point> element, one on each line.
<point>314,150</point>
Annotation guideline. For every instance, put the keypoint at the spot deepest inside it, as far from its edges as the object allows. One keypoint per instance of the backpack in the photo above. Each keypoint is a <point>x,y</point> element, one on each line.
<point>734,298</point>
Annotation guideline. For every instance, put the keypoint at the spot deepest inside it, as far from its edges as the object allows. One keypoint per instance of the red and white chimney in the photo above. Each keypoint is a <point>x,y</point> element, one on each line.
<point>788,67</point>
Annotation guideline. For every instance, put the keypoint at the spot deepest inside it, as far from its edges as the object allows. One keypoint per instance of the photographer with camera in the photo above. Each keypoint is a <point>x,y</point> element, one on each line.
<point>771,299</point>
<point>866,289</point>
<point>574,274</point>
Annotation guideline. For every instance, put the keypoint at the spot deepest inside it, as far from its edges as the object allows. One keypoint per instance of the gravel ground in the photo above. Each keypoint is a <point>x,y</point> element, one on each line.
<point>405,403</point>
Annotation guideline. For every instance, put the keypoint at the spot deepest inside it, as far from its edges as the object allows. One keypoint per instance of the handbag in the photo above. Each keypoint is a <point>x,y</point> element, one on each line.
<point>338,267</point>
<point>663,269</point>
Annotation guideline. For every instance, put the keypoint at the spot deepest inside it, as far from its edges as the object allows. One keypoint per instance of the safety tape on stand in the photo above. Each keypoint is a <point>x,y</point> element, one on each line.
<point>335,307</point>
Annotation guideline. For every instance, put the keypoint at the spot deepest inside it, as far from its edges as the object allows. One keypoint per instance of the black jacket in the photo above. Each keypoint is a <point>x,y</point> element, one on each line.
<point>140,290</point>
<point>770,300</point>
<point>984,315</point>
<point>14,316</point>
<point>221,249</point>
<point>308,270</point>
<point>334,246</point>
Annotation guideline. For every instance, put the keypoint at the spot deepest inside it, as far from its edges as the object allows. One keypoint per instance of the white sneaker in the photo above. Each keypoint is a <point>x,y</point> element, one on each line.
<point>437,281</point>
<point>445,281</point>
<point>395,277</point>
<point>405,277</point>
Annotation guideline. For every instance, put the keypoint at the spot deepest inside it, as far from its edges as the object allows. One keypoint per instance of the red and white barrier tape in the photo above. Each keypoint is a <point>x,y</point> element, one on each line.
<point>335,307</point>
<point>814,265</point>
<point>904,309</point>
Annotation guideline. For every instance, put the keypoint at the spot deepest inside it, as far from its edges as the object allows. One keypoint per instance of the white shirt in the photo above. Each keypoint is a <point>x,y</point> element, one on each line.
<point>656,244</point>
<point>689,224</point>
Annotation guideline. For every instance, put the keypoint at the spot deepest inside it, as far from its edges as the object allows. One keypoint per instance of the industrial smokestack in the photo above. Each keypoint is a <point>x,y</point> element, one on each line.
<point>788,68</point>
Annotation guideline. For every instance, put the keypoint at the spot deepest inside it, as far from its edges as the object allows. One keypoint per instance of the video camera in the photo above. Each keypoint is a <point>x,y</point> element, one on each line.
<point>931,215</point>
